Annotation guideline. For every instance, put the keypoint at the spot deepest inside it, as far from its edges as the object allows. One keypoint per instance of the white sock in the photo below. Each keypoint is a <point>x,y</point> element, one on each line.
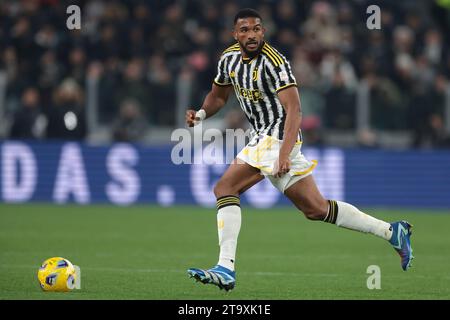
<point>347,216</point>
<point>228,226</point>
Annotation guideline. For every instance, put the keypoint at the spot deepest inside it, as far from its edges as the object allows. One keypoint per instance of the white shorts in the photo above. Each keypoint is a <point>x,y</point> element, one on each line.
<point>262,152</point>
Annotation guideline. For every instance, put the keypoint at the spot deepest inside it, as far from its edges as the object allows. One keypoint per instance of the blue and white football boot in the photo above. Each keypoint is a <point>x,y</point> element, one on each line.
<point>218,275</point>
<point>400,240</point>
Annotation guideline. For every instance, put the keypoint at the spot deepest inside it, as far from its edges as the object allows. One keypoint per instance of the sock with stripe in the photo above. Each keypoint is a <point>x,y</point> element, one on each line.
<point>347,216</point>
<point>228,226</point>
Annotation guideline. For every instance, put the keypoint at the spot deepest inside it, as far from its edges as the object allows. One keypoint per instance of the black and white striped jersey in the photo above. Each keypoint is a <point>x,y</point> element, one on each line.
<point>256,83</point>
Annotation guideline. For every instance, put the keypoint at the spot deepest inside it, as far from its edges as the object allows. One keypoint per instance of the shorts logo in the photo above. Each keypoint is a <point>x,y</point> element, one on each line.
<point>232,74</point>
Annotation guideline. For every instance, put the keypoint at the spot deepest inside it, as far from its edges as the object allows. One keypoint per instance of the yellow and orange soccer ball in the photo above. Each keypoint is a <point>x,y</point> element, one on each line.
<point>57,274</point>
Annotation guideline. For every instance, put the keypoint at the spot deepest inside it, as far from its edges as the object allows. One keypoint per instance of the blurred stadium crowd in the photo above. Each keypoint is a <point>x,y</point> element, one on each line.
<point>130,59</point>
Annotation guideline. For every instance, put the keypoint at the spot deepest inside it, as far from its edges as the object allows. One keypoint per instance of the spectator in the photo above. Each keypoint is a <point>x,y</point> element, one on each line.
<point>77,64</point>
<point>66,118</point>
<point>311,130</point>
<point>134,86</point>
<point>130,126</point>
<point>427,114</point>
<point>340,112</point>
<point>434,134</point>
<point>387,108</point>
<point>322,25</point>
<point>28,121</point>
<point>162,83</point>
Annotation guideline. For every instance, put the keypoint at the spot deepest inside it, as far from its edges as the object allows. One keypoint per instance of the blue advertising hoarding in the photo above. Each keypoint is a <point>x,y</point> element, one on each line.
<point>126,174</point>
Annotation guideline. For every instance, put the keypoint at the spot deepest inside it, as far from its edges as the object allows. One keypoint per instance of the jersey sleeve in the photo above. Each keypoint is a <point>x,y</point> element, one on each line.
<point>285,78</point>
<point>280,72</point>
<point>222,78</point>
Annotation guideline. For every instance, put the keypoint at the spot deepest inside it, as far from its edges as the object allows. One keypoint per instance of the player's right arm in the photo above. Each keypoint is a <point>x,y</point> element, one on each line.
<point>213,102</point>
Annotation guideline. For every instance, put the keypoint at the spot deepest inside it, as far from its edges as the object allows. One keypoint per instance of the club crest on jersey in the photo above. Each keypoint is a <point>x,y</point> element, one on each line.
<point>255,74</point>
<point>232,74</point>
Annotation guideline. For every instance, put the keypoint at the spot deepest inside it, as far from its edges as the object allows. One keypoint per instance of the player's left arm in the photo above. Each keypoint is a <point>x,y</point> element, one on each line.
<point>290,101</point>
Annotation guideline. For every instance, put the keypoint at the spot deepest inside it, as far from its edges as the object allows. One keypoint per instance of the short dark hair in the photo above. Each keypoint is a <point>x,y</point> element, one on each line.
<point>246,13</point>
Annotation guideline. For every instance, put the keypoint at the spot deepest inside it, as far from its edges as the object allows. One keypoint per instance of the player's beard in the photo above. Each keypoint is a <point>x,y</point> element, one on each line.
<point>254,53</point>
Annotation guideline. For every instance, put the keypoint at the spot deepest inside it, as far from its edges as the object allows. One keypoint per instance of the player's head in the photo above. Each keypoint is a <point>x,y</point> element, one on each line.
<point>248,31</point>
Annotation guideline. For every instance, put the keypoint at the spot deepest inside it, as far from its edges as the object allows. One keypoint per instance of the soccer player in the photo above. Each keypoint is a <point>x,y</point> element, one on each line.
<point>267,92</point>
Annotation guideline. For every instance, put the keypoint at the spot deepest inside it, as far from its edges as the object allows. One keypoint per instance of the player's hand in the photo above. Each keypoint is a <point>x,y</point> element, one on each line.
<point>281,167</point>
<point>190,118</point>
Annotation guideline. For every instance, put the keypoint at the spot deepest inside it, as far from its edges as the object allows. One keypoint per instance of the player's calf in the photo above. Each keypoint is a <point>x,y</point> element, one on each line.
<point>314,213</point>
<point>314,208</point>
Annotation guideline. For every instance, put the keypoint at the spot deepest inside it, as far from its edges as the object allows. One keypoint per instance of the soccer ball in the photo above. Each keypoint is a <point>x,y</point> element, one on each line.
<point>57,274</point>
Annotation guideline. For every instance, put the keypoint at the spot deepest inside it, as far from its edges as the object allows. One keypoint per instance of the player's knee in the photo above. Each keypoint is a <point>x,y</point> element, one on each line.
<point>217,190</point>
<point>222,188</point>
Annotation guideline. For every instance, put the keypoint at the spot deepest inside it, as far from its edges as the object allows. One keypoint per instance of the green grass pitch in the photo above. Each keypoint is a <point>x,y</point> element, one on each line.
<point>143,252</point>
